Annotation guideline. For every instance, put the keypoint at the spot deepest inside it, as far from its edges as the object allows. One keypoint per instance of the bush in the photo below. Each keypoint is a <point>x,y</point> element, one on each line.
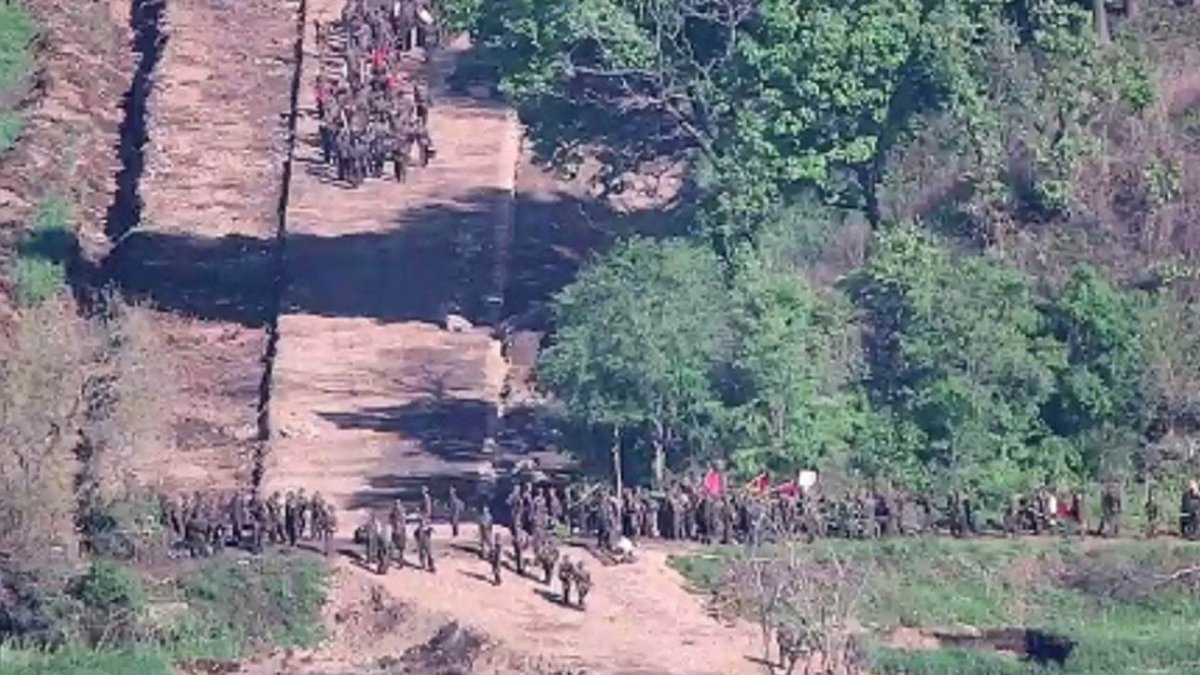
<point>112,604</point>
<point>38,280</point>
<point>40,268</point>
<point>236,606</point>
<point>79,661</point>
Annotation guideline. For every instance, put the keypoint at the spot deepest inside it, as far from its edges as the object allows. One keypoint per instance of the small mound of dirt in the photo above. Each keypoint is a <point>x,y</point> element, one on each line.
<point>453,650</point>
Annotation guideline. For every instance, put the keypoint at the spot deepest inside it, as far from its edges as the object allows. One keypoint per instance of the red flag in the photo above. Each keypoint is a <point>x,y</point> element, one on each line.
<point>713,483</point>
<point>788,489</point>
<point>760,483</point>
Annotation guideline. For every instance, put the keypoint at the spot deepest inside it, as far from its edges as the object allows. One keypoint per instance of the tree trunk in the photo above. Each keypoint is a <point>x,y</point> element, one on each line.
<point>1100,20</point>
<point>616,458</point>
<point>1132,8</point>
<point>658,463</point>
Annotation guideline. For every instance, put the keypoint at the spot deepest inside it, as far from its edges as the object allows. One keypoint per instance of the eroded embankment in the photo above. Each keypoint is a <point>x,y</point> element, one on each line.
<point>196,222</point>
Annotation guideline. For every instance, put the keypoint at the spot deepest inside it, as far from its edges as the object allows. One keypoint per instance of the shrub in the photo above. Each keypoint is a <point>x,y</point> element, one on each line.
<point>235,606</point>
<point>112,604</point>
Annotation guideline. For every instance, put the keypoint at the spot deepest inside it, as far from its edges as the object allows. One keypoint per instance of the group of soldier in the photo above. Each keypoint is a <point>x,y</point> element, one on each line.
<point>385,543</point>
<point>372,105</point>
<point>689,512</point>
<point>206,523</point>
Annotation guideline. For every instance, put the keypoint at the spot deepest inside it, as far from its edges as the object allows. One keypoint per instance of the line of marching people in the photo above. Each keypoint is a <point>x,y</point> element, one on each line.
<point>372,106</point>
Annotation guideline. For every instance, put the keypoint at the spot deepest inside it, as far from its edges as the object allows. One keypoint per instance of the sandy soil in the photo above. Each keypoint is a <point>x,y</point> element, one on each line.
<point>202,250</point>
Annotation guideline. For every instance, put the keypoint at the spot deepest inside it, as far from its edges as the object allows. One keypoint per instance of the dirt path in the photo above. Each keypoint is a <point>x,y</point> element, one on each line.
<point>371,396</point>
<point>640,619</point>
<point>210,188</point>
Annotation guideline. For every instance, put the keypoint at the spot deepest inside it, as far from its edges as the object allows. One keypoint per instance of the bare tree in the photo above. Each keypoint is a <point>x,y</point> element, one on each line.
<point>806,599</point>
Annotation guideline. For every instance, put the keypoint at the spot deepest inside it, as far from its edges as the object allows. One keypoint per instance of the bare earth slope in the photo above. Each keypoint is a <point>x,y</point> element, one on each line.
<point>211,190</point>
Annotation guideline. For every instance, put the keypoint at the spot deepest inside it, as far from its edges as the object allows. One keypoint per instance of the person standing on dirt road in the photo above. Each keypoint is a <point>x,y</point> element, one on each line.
<point>566,574</point>
<point>426,503</point>
<point>583,583</point>
<point>494,555</point>
<point>398,520</point>
<point>485,532</point>
<point>455,506</point>
<point>425,545</point>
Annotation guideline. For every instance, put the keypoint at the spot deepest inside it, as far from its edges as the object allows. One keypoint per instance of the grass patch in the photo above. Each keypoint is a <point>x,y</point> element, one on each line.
<point>40,267</point>
<point>235,606</point>
<point>1114,599</point>
<point>80,661</point>
<point>17,31</point>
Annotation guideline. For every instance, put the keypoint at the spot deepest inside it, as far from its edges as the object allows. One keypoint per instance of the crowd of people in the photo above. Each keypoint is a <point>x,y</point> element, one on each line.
<point>691,511</point>
<point>207,523</point>
<point>372,103</point>
<point>540,518</point>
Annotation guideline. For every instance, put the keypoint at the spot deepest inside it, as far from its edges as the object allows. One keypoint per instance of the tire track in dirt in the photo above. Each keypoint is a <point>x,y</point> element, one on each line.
<point>201,249</point>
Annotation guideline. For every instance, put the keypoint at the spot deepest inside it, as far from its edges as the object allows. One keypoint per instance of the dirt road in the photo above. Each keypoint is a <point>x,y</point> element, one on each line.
<point>371,396</point>
<point>640,620</point>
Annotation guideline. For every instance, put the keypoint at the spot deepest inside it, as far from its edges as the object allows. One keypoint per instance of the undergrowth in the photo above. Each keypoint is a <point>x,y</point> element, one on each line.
<point>223,610</point>
<point>1122,602</point>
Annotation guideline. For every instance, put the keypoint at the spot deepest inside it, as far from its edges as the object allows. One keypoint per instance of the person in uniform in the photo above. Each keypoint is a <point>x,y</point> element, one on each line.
<point>494,556</point>
<point>455,506</point>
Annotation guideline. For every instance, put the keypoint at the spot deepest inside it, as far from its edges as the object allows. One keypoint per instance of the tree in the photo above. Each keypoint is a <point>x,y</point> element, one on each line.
<point>957,349</point>
<point>793,403</point>
<point>639,335</point>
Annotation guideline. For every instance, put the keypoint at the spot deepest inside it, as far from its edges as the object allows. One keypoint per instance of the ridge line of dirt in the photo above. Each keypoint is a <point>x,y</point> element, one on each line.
<point>279,254</point>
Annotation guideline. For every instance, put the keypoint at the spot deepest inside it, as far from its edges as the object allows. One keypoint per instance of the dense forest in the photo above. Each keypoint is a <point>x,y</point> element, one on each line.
<point>941,243</point>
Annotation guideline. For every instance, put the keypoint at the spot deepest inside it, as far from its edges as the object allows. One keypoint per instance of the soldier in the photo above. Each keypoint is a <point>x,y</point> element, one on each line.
<point>371,537</point>
<point>383,549</point>
<point>1152,513</point>
<point>275,519</point>
<point>583,583</point>
<point>259,522</point>
<point>485,531</point>
<point>1111,507</point>
<point>455,506</point>
<point>520,542</point>
<point>494,554</point>
<point>547,555</point>
<point>426,504</point>
<point>328,528</point>
<point>515,510</point>
<point>1079,512</point>
<point>566,575</point>
<point>555,505</point>
<point>304,513</point>
<point>398,520</point>
<point>425,545</point>
<point>291,518</point>
<point>1189,511</point>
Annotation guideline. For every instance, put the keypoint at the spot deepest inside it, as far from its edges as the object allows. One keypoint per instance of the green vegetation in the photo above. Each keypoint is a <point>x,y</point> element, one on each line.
<point>40,267</point>
<point>236,606</point>
<point>914,244</point>
<point>17,32</point>
<point>114,622</point>
<point>1131,606</point>
<point>80,661</point>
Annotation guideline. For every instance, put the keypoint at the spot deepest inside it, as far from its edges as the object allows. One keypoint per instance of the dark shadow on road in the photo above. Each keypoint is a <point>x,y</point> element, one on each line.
<point>450,429</point>
<point>409,270</point>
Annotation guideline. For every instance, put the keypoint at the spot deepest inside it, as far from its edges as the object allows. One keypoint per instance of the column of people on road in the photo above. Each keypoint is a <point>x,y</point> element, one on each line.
<point>372,102</point>
<point>206,523</point>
